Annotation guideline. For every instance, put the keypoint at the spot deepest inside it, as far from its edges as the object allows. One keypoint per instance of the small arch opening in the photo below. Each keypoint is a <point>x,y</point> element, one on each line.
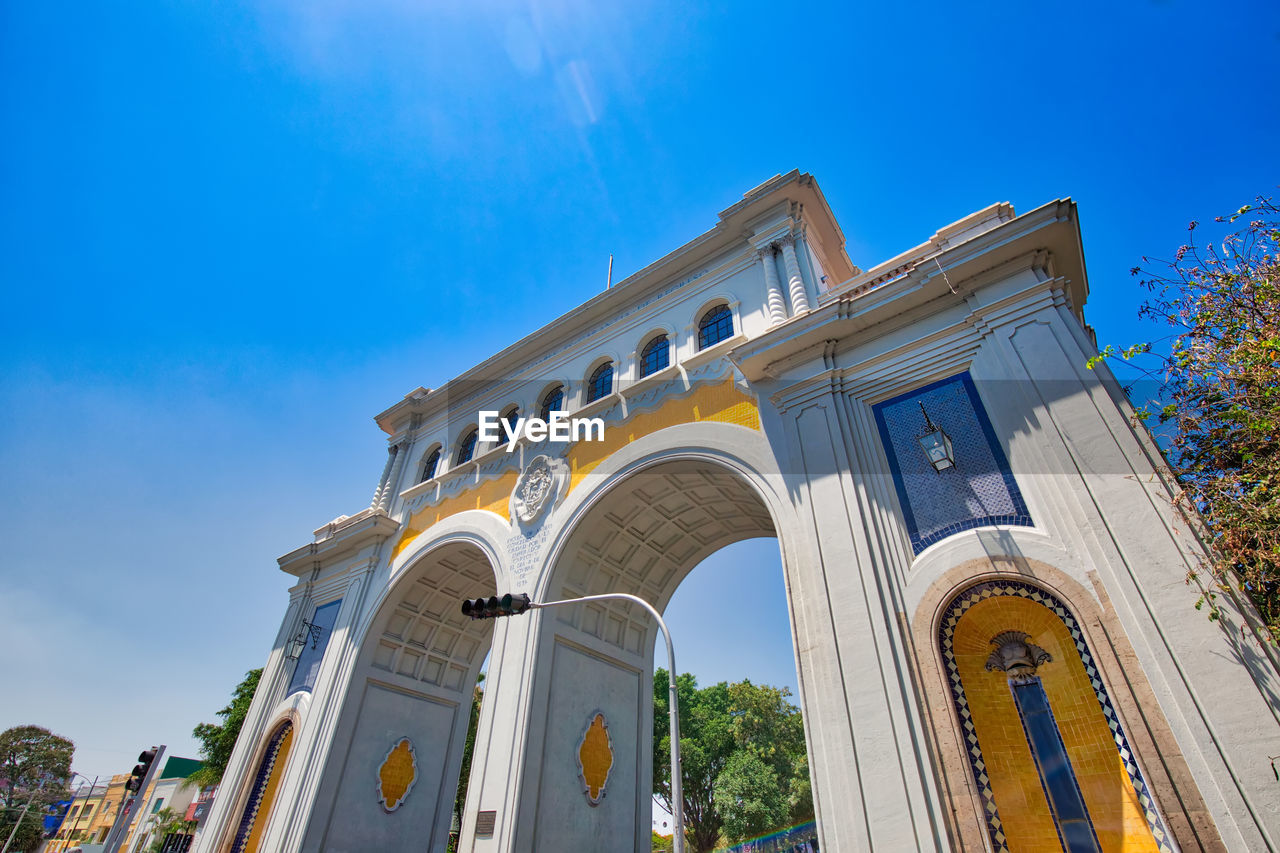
<point>430,464</point>
<point>552,401</point>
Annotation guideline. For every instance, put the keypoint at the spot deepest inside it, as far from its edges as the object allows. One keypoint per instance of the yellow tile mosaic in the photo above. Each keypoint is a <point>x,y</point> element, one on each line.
<point>491,495</point>
<point>1119,806</point>
<point>723,402</point>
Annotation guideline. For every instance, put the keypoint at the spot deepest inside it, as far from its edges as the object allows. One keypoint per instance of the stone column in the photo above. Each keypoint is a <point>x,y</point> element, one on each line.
<point>795,283</point>
<point>873,784</point>
<point>389,490</point>
<point>392,453</point>
<point>315,736</point>
<point>777,304</point>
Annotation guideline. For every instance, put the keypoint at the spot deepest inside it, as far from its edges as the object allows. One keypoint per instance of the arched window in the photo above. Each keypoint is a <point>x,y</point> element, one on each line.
<point>552,401</point>
<point>466,447</point>
<point>600,384</point>
<point>656,355</point>
<point>512,415</point>
<point>429,465</point>
<point>715,326</point>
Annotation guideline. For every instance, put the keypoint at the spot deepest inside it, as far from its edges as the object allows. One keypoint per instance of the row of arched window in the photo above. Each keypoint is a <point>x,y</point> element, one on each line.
<point>715,325</point>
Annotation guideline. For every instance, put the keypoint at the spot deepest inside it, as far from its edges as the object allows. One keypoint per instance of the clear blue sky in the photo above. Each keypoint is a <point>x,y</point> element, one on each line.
<point>232,232</point>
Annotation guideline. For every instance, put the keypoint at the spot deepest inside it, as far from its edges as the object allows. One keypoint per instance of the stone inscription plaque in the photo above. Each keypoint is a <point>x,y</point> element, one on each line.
<point>524,549</point>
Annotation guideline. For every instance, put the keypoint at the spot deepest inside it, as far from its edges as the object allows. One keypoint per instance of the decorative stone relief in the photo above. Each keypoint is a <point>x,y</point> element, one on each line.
<point>538,488</point>
<point>397,774</point>
<point>595,758</point>
<point>1015,657</point>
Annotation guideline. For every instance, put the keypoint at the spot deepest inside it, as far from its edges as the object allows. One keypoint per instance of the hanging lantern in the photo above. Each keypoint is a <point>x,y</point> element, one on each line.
<point>937,445</point>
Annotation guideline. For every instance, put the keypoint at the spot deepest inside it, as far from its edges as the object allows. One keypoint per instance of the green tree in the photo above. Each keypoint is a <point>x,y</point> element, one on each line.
<point>769,727</point>
<point>217,740</point>
<point>468,749</point>
<point>706,742</point>
<point>749,797</point>
<point>743,751</point>
<point>1218,412</point>
<point>35,766</point>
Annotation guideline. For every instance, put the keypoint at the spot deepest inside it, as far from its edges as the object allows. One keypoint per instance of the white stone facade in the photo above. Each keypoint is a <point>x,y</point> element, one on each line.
<point>771,431</point>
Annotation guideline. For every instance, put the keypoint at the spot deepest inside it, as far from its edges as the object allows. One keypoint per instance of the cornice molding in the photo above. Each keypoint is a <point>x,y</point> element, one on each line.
<point>338,539</point>
<point>1044,242</point>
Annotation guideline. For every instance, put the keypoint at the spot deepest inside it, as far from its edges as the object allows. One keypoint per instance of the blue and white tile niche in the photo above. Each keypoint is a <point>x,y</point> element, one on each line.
<point>979,491</point>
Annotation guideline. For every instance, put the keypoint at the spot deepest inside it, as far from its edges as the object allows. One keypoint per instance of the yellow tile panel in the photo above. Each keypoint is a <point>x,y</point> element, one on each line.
<point>723,402</point>
<point>1118,819</point>
<point>491,495</point>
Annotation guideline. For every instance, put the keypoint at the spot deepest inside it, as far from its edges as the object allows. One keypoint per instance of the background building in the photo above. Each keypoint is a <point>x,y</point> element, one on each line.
<point>168,791</point>
<point>90,816</point>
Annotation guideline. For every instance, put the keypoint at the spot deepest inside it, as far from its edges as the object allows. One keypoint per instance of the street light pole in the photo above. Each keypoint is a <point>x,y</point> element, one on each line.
<point>677,794</point>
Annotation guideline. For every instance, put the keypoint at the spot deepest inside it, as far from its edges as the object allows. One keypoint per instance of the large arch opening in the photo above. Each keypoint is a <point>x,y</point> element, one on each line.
<point>643,536</point>
<point>392,777</point>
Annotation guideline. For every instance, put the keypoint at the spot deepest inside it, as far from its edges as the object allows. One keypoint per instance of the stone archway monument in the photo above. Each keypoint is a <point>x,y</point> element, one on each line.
<point>913,435</point>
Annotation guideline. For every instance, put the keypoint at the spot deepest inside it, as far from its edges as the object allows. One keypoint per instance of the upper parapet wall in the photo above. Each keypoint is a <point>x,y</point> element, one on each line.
<point>942,272</point>
<point>794,197</point>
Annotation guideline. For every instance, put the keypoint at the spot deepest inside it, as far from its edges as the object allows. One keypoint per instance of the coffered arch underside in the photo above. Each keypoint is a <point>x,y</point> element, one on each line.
<point>422,636</point>
<point>644,535</point>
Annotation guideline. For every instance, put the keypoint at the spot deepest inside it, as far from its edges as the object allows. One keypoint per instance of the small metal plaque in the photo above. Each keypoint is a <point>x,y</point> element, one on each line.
<point>484,824</point>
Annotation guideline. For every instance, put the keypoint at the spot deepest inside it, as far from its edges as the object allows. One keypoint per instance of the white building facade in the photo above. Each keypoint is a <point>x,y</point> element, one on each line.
<point>1002,654</point>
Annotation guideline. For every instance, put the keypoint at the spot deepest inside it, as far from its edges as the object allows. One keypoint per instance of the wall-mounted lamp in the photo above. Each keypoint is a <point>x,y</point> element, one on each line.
<point>299,642</point>
<point>936,444</point>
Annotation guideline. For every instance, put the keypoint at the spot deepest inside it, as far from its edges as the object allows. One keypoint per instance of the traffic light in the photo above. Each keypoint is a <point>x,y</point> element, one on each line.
<point>140,770</point>
<point>495,606</point>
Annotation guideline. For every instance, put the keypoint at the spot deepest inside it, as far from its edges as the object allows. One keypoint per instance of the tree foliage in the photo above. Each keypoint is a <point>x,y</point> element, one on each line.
<point>168,822</point>
<point>35,766</point>
<point>749,798</point>
<point>1219,409</point>
<point>218,740</point>
<point>745,766</point>
<point>468,749</point>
